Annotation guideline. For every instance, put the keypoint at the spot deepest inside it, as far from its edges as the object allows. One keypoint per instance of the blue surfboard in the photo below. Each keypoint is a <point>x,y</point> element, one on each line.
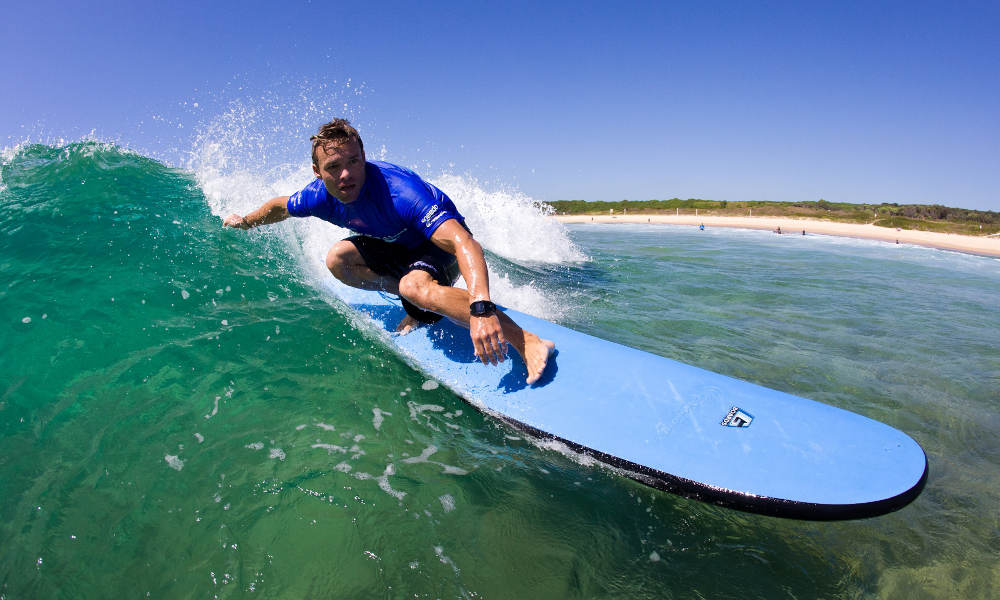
<point>673,426</point>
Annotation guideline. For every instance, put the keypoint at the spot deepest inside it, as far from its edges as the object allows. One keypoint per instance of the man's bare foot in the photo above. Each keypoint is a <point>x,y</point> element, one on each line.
<point>407,325</point>
<point>536,355</point>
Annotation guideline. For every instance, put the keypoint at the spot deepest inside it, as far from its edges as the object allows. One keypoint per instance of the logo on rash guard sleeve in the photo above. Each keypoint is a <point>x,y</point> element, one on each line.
<point>432,215</point>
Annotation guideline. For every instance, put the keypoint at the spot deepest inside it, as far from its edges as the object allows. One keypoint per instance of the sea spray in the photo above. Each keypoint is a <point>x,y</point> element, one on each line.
<point>236,177</point>
<point>510,223</point>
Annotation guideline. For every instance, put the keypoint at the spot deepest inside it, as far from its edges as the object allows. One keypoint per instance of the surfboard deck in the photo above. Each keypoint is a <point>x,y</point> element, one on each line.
<point>673,426</point>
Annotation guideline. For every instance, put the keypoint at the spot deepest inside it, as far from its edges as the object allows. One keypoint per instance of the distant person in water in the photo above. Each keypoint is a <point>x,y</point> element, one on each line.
<point>411,242</point>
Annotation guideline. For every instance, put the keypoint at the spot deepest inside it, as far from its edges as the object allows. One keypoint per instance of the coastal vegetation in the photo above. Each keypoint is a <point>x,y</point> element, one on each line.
<point>922,217</point>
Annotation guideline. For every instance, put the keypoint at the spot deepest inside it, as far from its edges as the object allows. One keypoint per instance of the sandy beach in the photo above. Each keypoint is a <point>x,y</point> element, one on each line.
<point>986,246</point>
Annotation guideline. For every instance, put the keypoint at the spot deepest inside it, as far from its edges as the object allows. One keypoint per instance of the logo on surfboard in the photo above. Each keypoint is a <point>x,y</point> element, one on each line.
<point>737,417</point>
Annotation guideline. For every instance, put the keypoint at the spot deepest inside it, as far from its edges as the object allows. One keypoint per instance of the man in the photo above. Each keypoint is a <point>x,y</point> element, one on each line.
<point>412,243</point>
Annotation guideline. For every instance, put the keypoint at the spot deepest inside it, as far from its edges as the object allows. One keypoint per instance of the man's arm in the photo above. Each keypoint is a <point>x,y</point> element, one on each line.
<point>274,210</point>
<point>451,237</point>
<point>487,335</point>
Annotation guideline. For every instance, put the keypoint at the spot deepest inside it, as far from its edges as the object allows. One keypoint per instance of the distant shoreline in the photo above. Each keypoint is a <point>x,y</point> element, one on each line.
<point>981,245</point>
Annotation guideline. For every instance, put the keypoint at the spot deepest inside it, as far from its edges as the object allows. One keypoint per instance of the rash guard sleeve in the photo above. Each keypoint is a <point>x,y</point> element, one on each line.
<point>310,201</point>
<point>427,208</point>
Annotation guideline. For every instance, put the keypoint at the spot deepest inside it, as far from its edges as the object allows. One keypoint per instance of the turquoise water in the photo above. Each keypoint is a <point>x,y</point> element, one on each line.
<point>186,412</point>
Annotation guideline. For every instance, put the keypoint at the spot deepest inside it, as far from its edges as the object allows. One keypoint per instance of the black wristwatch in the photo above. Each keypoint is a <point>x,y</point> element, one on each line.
<point>482,308</point>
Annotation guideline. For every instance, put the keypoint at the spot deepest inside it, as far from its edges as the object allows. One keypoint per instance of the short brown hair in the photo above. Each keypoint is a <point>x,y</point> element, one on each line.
<point>337,131</point>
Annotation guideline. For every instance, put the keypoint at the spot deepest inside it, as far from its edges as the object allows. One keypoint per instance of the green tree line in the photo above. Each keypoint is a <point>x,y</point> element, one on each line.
<point>840,211</point>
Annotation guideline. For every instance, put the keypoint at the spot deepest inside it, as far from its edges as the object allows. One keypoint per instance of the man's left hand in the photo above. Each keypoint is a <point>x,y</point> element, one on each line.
<point>488,340</point>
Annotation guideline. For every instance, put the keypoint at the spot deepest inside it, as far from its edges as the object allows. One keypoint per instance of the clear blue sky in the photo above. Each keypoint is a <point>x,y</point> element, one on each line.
<point>847,101</point>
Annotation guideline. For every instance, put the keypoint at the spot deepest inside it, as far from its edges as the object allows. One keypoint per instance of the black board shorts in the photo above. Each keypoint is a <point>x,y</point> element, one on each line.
<point>396,260</point>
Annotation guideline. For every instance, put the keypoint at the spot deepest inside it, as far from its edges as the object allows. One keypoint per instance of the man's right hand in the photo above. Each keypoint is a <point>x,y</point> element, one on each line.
<point>235,221</point>
<point>488,339</point>
<point>274,210</point>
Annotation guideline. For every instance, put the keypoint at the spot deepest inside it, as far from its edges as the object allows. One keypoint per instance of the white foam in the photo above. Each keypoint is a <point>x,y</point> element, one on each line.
<point>215,408</point>
<point>174,462</point>
<point>330,448</point>
<point>425,458</point>
<point>439,550</point>
<point>561,448</point>
<point>383,481</point>
<point>447,503</point>
<point>418,409</point>
<point>378,417</point>
<point>426,454</point>
<point>509,222</point>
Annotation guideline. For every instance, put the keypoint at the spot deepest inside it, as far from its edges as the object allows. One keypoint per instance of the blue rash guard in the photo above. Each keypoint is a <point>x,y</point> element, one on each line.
<point>395,205</point>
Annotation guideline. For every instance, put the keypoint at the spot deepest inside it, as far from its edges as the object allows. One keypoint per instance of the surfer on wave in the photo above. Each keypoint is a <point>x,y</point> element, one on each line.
<point>411,242</point>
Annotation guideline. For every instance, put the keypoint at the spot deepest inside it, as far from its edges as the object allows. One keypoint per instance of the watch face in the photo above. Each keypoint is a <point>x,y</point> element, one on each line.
<point>482,308</point>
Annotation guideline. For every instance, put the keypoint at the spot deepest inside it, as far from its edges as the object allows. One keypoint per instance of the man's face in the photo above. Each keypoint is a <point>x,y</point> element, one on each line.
<point>342,169</point>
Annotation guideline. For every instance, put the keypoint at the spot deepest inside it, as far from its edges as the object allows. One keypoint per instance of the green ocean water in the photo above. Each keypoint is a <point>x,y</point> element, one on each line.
<point>187,412</point>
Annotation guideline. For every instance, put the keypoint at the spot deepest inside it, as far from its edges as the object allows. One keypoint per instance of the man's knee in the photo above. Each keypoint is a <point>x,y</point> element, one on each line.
<point>417,287</point>
<point>341,257</point>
